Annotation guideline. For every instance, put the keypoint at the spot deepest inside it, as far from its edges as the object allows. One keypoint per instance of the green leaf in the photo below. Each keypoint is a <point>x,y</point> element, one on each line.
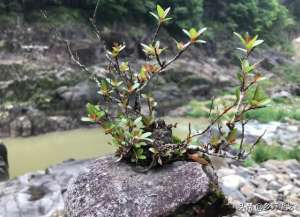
<point>137,121</point>
<point>202,30</point>
<point>187,33</point>
<point>241,38</point>
<point>201,41</point>
<point>250,44</point>
<point>240,77</point>
<point>142,157</point>
<point>160,11</point>
<point>154,15</point>
<point>86,119</point>
<point>232,136</point>
<point>214,140</point>
<point>124,67</point>
<point>243,50</point>
<point>167,19</point>
<point>140,144</point>
<point>166,12</point>
<point>146,135</point>
<point>153,150</point>
<point>246,67</point>
<point>260,98</point>
<point>94,113</point>
<point>258,42</point>
<point>193,33</point>
<point>135,86</point>
<point>264,102</point>
<point>237,94</point>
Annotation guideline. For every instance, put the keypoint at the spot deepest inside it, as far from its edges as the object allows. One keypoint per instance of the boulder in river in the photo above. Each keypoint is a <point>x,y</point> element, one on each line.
<point>117,190</point>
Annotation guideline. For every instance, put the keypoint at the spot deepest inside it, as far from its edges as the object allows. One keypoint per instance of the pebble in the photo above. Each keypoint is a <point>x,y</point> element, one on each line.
<point>233,181</point>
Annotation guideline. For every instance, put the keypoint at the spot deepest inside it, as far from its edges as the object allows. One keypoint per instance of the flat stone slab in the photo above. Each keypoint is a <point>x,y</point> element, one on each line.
<point>114,189</point>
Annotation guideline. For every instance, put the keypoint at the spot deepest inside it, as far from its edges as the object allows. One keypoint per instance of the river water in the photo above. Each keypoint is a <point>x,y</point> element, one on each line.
<point>39,152</point>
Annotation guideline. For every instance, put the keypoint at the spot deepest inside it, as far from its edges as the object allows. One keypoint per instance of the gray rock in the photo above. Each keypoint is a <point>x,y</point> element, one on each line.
<point>114,189</point>
<point>286,134</point>
<point>39,194</point>
<point>77,96</point>
<point>233,181</point>
<point>21,127</point>
<point>233,195</point>
<point>4,174</point>
<point>274,185</point>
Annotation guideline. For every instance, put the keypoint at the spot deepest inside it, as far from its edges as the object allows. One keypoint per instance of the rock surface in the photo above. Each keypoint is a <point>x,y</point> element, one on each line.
<point>285,134</point>
<point>115,189</point>
<point>39,194</point>
<point>4,174</point>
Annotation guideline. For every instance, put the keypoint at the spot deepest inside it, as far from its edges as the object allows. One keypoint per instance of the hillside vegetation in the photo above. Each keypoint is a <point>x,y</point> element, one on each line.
<point>271,19</point>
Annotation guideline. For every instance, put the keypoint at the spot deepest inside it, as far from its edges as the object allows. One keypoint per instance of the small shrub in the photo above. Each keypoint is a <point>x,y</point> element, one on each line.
<point>142,138</point>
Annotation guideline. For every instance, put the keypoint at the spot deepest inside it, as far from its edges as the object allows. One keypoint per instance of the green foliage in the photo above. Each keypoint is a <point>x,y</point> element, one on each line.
<point>294,7</point>
<point>58,16</point>
<point>268,18</point>
<point>279,109</point>
<point>296,114</point>
<point>185,14</point>
<point>266,115</point>
<point>264,152</point>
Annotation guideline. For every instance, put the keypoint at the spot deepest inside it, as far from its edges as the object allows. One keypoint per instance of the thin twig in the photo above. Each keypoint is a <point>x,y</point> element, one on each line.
<point>156,32</point>
<point>214,121</point>
<point>96,9</point>
<point>211,108</point>
<point>242,139</point>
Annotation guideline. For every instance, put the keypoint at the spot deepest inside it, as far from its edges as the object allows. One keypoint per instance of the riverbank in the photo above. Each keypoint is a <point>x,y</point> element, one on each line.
<point>39,152</point>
